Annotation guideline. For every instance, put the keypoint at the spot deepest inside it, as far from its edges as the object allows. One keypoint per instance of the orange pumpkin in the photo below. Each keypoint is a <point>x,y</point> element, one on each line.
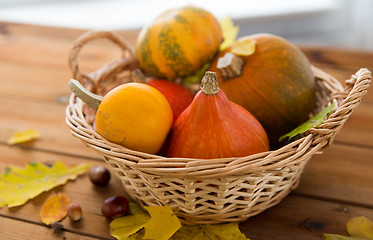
<point>276,85</point>
<point>178,42</point>
<point>214,127</point>
<point>136,116</point>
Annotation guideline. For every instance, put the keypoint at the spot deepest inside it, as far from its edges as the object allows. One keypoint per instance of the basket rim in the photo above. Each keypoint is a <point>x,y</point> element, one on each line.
<point>316,140</point>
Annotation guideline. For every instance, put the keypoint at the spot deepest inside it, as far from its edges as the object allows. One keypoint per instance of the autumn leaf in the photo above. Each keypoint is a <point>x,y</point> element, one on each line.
<point>18,185</point>
<point>311,123</point>
<point>123,227</point>
<point>145,225</point>
<point>244,47</point>
<point>23,136</point>
<point>227,231</point>
<point>161,216</point>
<point>136,209</point>
<point>229,32</point>
<point>54,209</point>
<point>327,236</point>
<point>360,227</point>
<point>140,225</point>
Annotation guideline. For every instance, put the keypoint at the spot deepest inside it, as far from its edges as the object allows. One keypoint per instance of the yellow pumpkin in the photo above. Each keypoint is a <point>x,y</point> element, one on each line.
<point>136,116</point>
<point>178,42</point>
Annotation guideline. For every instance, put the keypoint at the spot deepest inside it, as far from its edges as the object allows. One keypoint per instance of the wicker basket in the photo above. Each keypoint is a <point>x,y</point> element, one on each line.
<point>217,190</point>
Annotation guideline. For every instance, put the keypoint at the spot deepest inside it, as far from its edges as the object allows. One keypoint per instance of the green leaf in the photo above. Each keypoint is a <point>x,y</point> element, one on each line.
<point>311,123</point>
<point>18,185</point>
<point>229,32</point>
<point>197,76</point>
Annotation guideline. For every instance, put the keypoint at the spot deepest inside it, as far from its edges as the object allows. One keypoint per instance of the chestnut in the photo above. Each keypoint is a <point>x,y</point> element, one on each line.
<point>115,206</point>
<point>74,211</point>
<point>99,175</point>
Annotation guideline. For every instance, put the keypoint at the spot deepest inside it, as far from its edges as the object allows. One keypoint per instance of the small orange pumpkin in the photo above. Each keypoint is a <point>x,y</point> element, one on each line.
<point>136,116</point>
<point>178,42</point>
<point>276,84</point>
<point>214,127</point>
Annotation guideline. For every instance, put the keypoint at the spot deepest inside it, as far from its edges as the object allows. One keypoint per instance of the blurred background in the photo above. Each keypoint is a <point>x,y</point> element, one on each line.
<point>334,23</point>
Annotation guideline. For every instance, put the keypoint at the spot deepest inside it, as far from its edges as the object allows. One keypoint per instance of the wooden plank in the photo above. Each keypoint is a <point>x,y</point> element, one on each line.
<point>29,61</point>
<point>48,119</point>
<point>54,53</point>
<point>50,46</point>
<point>302,218</point>
<point>34,82</point>
<point>12,229</point>
<point>81,191</point>
<point>358,129</point>
<point>341,173</point>
<point>339,57</point>
<point>10,28</point>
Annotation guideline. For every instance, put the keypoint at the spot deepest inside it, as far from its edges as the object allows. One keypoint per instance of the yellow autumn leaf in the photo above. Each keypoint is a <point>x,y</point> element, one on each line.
<point>23,136</point>
<point>138,236</point>
<point>327,236</point>
<point>244,47</point>
<point>136,209</point>
<point>227,231</point>
<point>54,209</point>
<point>229,32</point>
<point>161,216</point>
<point>360,227</point>
<point>140,225</point>
<point>123,227</point>
<point>18,185</point>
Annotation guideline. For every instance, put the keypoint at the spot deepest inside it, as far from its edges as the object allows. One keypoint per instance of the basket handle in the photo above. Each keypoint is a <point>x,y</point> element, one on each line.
<point>126,48</point>
<point>356,87</point>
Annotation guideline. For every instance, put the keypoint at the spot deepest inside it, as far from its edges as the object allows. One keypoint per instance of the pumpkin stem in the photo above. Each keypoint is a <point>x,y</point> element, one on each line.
<point>138,76</point>
<point>230,66</point>
<point>209,83</point>
<point>89,98</point>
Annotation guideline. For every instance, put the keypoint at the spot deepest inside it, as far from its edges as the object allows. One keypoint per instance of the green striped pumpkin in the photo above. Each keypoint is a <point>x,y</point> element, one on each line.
<point>178,42</point>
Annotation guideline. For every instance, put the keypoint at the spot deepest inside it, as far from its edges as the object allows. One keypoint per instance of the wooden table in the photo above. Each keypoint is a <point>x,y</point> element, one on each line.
<point>336,185</point>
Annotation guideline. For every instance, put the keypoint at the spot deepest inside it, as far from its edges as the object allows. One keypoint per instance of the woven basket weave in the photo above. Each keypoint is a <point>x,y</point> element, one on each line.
<point>217,190</point>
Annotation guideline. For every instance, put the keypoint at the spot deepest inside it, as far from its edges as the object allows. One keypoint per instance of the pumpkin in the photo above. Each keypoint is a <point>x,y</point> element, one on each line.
<point>214,127</point>
<point>136,116</point>
<point>275,84</point>
<point>178,42</point>
<point>177,96</point>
